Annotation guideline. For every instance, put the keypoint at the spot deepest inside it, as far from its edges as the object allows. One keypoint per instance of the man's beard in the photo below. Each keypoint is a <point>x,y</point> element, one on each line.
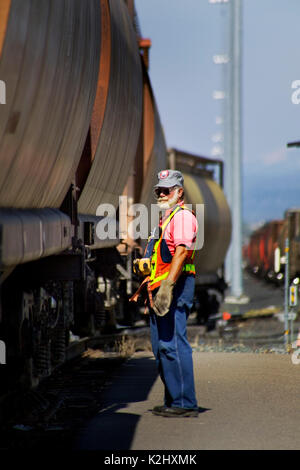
<point>168,203</point>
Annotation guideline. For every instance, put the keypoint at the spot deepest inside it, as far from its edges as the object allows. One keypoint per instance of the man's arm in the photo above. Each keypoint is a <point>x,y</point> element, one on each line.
<point>177,263</point>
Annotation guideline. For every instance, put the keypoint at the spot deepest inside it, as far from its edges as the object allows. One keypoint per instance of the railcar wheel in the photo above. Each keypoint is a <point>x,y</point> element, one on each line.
<point>17,311</point>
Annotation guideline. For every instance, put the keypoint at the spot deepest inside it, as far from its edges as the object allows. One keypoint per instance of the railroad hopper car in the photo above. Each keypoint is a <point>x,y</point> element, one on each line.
<point>252,252</point>
<point>272,233</point>
<point>261,249</point>
<point>79,129</point>
<point>266,248</point>
<point>291,230</point>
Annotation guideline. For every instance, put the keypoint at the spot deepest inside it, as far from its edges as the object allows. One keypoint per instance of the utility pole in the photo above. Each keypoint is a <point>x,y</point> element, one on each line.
<point>232,99</point>
<point>234,173</point>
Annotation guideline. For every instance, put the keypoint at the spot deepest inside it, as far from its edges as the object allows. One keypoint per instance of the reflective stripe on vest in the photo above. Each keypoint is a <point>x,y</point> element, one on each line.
<point>160,269</point>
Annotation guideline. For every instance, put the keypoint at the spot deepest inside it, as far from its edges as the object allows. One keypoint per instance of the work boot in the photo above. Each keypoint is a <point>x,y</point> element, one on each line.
<point>158,409</point>
<point>174,412</point>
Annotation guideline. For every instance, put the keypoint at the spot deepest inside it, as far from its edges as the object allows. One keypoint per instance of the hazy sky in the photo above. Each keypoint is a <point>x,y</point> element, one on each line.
<point>185,35</point>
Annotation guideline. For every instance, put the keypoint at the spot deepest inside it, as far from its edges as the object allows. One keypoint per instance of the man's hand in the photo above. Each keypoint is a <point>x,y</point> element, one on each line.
<point>163,298</point>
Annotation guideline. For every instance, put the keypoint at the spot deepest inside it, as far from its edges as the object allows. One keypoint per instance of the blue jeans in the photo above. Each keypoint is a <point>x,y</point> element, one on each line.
<point>171,348</point>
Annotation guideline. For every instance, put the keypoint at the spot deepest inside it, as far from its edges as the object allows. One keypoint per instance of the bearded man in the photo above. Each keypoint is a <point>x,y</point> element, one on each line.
<point>171,286</point>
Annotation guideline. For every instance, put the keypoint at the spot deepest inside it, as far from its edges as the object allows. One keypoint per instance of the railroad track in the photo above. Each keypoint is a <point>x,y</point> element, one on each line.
<point>30,408</point>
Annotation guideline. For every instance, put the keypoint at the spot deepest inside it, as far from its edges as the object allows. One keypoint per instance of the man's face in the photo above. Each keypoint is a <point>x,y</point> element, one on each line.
<point>168,197</point>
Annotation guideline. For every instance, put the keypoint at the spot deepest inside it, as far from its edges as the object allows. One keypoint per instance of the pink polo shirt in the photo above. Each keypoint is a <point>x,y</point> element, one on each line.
<point>182,229</point>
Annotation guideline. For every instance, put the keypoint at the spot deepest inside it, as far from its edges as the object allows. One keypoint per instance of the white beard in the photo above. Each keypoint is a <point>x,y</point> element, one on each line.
<point>168,203</point>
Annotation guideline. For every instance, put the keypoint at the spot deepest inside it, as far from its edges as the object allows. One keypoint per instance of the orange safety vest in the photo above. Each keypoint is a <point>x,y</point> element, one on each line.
<point>160,268</point>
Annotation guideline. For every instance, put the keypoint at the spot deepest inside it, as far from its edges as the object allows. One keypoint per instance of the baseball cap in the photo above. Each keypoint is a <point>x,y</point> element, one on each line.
<point>169,178</point>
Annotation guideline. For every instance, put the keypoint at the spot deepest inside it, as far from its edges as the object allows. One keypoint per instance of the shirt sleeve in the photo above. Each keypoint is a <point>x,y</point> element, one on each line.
<point>182,230</point>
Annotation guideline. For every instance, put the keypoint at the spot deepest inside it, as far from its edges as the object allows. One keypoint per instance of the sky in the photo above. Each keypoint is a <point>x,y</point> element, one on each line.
<point>185,36</point>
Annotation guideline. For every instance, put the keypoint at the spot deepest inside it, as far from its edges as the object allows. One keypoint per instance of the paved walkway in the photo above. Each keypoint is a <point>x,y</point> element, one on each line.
<point>247,401</point>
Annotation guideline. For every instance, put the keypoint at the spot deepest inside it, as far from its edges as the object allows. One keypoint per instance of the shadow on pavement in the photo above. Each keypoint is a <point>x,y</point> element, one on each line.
<point>112,428</point>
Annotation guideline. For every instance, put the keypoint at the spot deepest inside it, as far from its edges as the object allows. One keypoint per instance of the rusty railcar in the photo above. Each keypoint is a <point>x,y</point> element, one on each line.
<point>70,132</point>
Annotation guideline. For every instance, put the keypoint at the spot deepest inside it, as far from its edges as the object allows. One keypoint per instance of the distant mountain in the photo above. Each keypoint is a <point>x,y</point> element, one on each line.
<point>268,192</point>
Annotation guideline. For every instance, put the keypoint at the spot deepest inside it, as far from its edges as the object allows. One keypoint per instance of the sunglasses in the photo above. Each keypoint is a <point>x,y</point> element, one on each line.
<point>165,191</point>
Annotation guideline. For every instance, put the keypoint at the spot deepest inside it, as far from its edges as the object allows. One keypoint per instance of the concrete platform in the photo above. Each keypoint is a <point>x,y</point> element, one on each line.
<point>247,401</point>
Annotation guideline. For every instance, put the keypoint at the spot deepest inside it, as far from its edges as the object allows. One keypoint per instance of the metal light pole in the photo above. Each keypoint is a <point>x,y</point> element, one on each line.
<point>235,148</point>
<point>224,59</point>
<point>233,144</point>
<point>228,138</point>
